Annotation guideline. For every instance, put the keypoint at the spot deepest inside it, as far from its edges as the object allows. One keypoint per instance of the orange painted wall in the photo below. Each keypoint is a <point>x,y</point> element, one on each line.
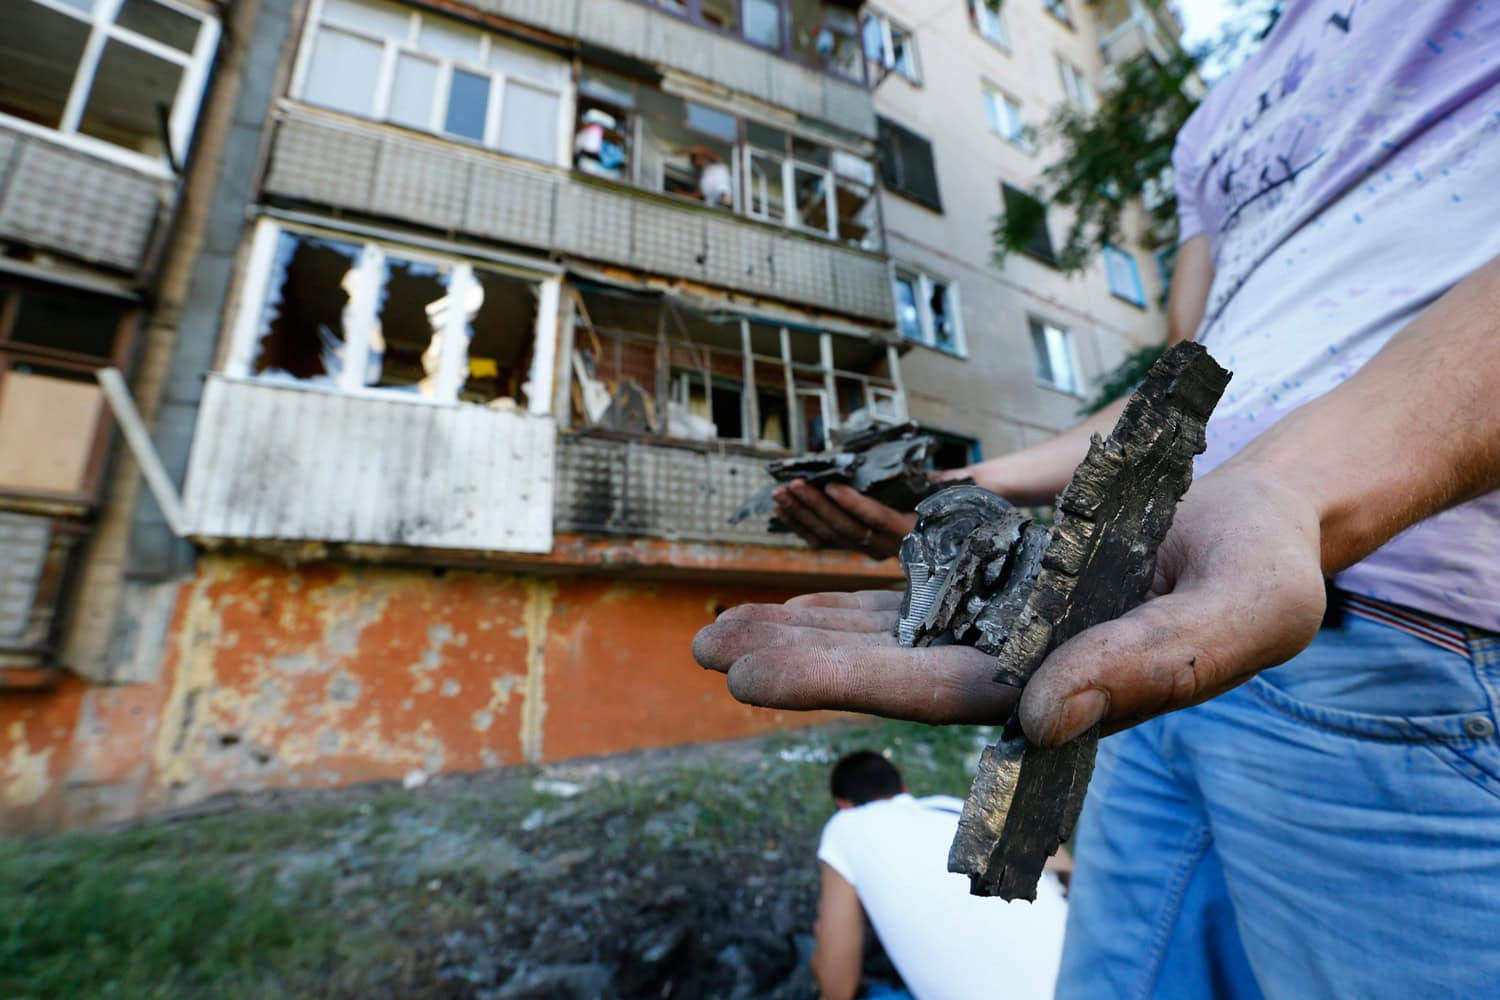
<point>333,673</point>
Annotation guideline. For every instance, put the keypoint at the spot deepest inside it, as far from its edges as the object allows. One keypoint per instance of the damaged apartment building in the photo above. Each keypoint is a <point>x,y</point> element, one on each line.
<point>457,330</point>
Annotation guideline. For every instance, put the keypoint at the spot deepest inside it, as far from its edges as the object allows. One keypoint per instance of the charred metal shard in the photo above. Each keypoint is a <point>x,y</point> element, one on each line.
<point>887,464</point>
<point>1019,591</point>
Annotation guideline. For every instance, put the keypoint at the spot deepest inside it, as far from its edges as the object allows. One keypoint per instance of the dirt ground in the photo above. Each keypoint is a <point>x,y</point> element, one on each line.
<point>678,873</point>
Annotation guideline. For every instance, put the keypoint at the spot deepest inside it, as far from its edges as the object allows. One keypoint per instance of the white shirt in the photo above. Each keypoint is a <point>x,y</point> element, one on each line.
<point>945,943</point>
<point>715,184</point>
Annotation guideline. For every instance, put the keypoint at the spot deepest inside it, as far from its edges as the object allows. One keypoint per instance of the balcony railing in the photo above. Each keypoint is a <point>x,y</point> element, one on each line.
<point>58,198</point>
<point>280,463</point>
<point>332,160</point>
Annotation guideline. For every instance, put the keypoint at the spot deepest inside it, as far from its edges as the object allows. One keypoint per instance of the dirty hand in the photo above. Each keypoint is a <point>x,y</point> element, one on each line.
<point>1239,588</point>
<point>840,518</point>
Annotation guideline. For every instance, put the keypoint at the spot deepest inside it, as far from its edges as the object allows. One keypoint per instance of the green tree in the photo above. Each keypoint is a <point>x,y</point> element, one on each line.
<point>1122,149</point>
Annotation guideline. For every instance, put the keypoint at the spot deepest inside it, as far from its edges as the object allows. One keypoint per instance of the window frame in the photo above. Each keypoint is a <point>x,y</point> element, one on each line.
<point>691,11</point>
<point>887,61</point>
<point>1059,10</point>
<point>1050,258</point>
<point>890,130</point>
<point>1075,83</point>
<point>183,118</point>
<point>392,49</point>
<point>1115,257</point>
<point>924,284</point>
<point>979,11</point>
<point>994,95</point>
<point>1037,324</point>
<point>364,302</point>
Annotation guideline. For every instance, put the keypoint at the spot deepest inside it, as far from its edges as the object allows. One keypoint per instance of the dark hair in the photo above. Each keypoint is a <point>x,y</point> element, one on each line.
<point>864,776</point>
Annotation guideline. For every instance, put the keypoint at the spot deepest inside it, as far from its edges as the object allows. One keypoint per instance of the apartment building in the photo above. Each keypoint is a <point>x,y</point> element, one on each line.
<point>1007,354</point>
<point>493,312</point>
<point>458,329</point>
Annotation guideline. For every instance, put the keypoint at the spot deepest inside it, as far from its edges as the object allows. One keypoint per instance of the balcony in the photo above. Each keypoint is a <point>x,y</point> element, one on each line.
<point>58,198</point>
<point>334,161</point>
<point>723,57</point>
<point>1132,28</point>
<point>282,463</point>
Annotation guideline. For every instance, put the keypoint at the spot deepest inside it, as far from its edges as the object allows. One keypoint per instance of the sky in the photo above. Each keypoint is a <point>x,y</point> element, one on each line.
<point>1202,19</point>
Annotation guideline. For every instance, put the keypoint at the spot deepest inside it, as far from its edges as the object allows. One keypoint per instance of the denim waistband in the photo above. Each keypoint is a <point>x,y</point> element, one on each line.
<point>1456,637</point>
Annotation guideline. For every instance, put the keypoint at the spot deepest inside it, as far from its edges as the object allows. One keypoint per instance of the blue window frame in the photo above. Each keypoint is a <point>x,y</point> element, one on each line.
<point>1124,276</point>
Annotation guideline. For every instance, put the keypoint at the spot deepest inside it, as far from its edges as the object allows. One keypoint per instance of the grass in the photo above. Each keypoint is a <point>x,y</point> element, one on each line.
<point>333,895</point>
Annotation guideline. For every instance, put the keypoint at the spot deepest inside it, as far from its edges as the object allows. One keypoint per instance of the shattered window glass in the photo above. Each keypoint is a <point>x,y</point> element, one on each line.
<point>406,346</point>
<point>502,323</point>
<point>301,332</point>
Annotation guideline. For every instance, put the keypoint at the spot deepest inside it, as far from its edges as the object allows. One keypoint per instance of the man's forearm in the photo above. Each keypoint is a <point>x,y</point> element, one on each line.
<point>1414,432</point>
<point>1036,475</point>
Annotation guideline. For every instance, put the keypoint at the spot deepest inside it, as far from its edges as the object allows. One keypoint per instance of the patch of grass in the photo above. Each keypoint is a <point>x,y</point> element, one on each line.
<point>83,921</point>
<point>344,894</point>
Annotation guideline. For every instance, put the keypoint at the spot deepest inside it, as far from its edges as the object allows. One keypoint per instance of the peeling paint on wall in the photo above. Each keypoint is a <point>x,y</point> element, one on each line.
<point>26,770</point>
<point>540,595</point>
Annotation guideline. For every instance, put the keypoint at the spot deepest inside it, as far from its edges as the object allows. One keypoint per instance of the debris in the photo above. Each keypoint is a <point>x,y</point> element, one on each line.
<point>557,787</point>
<point>631,411</point>
<point>415,778</point>
<point>806,754</point>
<point>888,464</point>
<point>981,573</point>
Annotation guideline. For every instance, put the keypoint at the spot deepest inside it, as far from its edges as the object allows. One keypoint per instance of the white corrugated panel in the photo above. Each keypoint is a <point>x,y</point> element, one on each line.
<point>273,462</point>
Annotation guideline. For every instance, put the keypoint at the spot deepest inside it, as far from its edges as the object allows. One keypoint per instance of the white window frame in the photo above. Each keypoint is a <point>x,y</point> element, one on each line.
<point>394,48</point>
<point>991,24</point>
<point>184,115</point>
<point>1116,258</point>
<point>361,313</point>
<point>888,45</point>
<point>1059,9</point>
<point>1001,109</point>
<point>791,213</point>
<point>925,284</point>
<point>1058,341</point>
<point>1075,84</point>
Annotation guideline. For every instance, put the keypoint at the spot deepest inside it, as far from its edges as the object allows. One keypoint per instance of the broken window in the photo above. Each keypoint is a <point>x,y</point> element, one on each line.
<point>363,315</point>
<point>447,77</point>
<point>686,149</point>
<point>723,377</point>
<point>827,34</point>
<point>927,311</point>
<point>890,48</point>
<point>133,82</point>
<point>501,338</point>
<point>302,326</point>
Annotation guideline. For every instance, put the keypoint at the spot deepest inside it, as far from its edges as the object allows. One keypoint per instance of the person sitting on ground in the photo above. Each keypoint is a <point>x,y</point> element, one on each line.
<point>885,854</point>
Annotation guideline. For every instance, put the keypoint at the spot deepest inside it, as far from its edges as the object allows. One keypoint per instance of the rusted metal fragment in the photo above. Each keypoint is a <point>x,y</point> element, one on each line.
<point>1023,805</point>
<point>887,464</point>
<point>1023,598</point>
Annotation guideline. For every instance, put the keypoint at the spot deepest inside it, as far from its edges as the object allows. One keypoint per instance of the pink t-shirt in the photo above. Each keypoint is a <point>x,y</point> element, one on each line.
<point>1346,177</point>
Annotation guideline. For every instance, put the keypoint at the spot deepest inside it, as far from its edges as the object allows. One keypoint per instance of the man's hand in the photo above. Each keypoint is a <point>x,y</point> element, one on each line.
<point>1239,585</point>
<point>838,517</point>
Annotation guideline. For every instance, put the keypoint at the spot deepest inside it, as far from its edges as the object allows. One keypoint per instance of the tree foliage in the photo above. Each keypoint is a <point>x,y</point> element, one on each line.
<point>1121,380</point>
<point>1121,151</point>
<point>1109,158</point>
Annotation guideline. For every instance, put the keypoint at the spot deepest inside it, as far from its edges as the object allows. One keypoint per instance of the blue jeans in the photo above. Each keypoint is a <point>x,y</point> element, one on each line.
<point>1329,829</point>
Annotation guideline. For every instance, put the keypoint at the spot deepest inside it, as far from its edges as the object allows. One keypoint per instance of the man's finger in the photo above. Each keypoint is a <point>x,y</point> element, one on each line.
<point>1177,650</point>
<point>844,527</point>
<point>720,644</point>
<point>834,619</point>
<point>872,513</point>
<point>944,684</point>
<point>870,600</point>
<point>802,519</point>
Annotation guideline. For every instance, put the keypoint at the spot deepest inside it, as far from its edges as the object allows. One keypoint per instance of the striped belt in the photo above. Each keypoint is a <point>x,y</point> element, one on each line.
<point>1449,635</point>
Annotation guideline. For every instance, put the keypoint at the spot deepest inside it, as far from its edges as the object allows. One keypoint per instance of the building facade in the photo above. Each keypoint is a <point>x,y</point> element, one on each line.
<point>1007,354</point>
<point>459,328</point>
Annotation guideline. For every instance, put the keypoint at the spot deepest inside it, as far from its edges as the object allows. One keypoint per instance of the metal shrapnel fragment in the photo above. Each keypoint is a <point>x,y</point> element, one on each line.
<point>887,464</point>
<point>978,576</point>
